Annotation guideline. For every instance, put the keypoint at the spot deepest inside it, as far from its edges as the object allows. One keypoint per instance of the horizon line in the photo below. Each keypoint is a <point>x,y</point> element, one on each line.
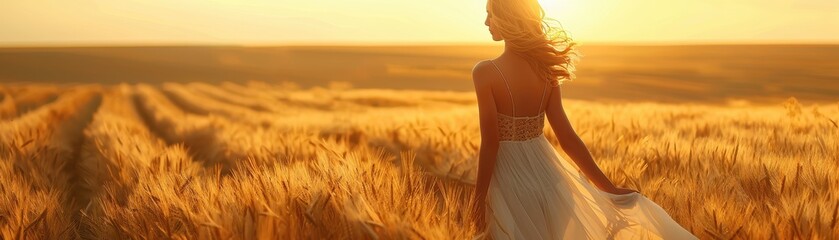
<point>395,44</point>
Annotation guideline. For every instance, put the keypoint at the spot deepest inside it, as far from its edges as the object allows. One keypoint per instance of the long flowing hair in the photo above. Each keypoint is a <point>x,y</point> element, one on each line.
<point>529,33</point>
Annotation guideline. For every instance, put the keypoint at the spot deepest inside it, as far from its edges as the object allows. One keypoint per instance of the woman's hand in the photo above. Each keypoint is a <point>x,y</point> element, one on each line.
<point>479,215</point>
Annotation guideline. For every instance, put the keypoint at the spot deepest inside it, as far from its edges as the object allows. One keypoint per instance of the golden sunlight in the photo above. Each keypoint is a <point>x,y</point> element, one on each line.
<point>92,22</point>
<point>554,4</point>
<point>295,119</point>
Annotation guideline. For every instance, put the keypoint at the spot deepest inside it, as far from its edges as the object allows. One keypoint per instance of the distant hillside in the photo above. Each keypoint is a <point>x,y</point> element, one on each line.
<point>702,73</point>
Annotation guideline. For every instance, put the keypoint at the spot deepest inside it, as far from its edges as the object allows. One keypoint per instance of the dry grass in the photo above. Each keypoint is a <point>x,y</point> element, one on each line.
<point>36,149</point>
<point>8,109</point>
<point>30,97</point>
<point>262,161</point>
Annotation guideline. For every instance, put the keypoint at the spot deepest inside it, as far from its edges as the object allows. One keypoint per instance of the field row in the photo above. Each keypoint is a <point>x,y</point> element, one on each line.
<point>256,160</point>
<point>146,154</point>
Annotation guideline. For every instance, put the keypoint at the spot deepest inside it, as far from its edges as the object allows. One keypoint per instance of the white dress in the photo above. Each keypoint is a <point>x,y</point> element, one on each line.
<point>534,193</point>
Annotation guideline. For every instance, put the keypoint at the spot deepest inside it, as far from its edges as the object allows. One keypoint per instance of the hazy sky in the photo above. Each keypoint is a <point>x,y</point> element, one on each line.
<point>258,22</point>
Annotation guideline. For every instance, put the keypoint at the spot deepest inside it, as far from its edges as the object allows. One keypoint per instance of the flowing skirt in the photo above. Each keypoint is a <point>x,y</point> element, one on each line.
<point>536,194</point>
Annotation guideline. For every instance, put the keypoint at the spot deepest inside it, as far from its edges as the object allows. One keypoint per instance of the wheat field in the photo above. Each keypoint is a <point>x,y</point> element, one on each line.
<point>263,160</point>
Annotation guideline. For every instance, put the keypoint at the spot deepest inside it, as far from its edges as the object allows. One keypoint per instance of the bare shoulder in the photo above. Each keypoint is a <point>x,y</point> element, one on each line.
<point>482,73</point>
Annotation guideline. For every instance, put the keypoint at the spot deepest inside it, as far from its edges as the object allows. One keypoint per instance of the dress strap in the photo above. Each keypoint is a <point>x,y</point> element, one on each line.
<point>543,95</point>
<point>508,88</point>
<point>512,103</point>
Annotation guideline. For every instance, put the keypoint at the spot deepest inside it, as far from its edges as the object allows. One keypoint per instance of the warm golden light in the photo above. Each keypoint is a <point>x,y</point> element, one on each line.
<point>652,21</point>
<point>387,21</point>
<point>554,5</point>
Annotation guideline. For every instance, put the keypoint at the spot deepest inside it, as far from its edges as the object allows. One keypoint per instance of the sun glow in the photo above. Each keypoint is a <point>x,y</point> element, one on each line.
<point>568,13</point>
<point>386,21</point>
<point>551,4</point>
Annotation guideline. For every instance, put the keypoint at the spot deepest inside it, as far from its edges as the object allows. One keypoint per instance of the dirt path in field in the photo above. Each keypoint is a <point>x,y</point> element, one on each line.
<point>84,118</point>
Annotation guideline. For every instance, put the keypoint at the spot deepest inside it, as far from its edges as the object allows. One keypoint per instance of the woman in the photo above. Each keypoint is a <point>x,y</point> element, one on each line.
<point>525,189</point>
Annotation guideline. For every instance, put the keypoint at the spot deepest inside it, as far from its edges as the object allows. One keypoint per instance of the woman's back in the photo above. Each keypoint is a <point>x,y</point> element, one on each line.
<point>519,87</point>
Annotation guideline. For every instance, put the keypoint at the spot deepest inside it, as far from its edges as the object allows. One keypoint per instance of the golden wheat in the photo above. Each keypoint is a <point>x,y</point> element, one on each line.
<point>37,149</point>
<point>258,160</point>
<point>234,97</point>
<point>31,96</point>
<point>8,109</point>
<point>196,103</point>
<point>118,153</point>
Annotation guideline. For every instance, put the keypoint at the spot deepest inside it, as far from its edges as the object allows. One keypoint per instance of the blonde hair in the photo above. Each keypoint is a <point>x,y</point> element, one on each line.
<point>528,32</point>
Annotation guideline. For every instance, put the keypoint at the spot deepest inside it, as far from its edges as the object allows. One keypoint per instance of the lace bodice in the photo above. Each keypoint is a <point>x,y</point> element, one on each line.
<point>512,128</point>
<point>520,128</point>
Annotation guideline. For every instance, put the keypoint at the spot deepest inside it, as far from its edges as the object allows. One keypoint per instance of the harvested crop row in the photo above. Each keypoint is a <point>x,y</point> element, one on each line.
<point>200,134</point>
<point>30,97</point>
<point>38,153</point>
<point>219,140</point>
<point>241,110</point>
<point>255,91</point>
<point>232,97</point>
<point>338,194</point>
<point>119,154</point>
<point>293,100</point>
<point>203,105</point>
<point>330,192</point>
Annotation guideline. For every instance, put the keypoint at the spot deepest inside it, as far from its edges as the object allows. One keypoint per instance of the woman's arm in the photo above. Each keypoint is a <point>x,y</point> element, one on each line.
<point>574,146</point>
<point>482,76</point>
